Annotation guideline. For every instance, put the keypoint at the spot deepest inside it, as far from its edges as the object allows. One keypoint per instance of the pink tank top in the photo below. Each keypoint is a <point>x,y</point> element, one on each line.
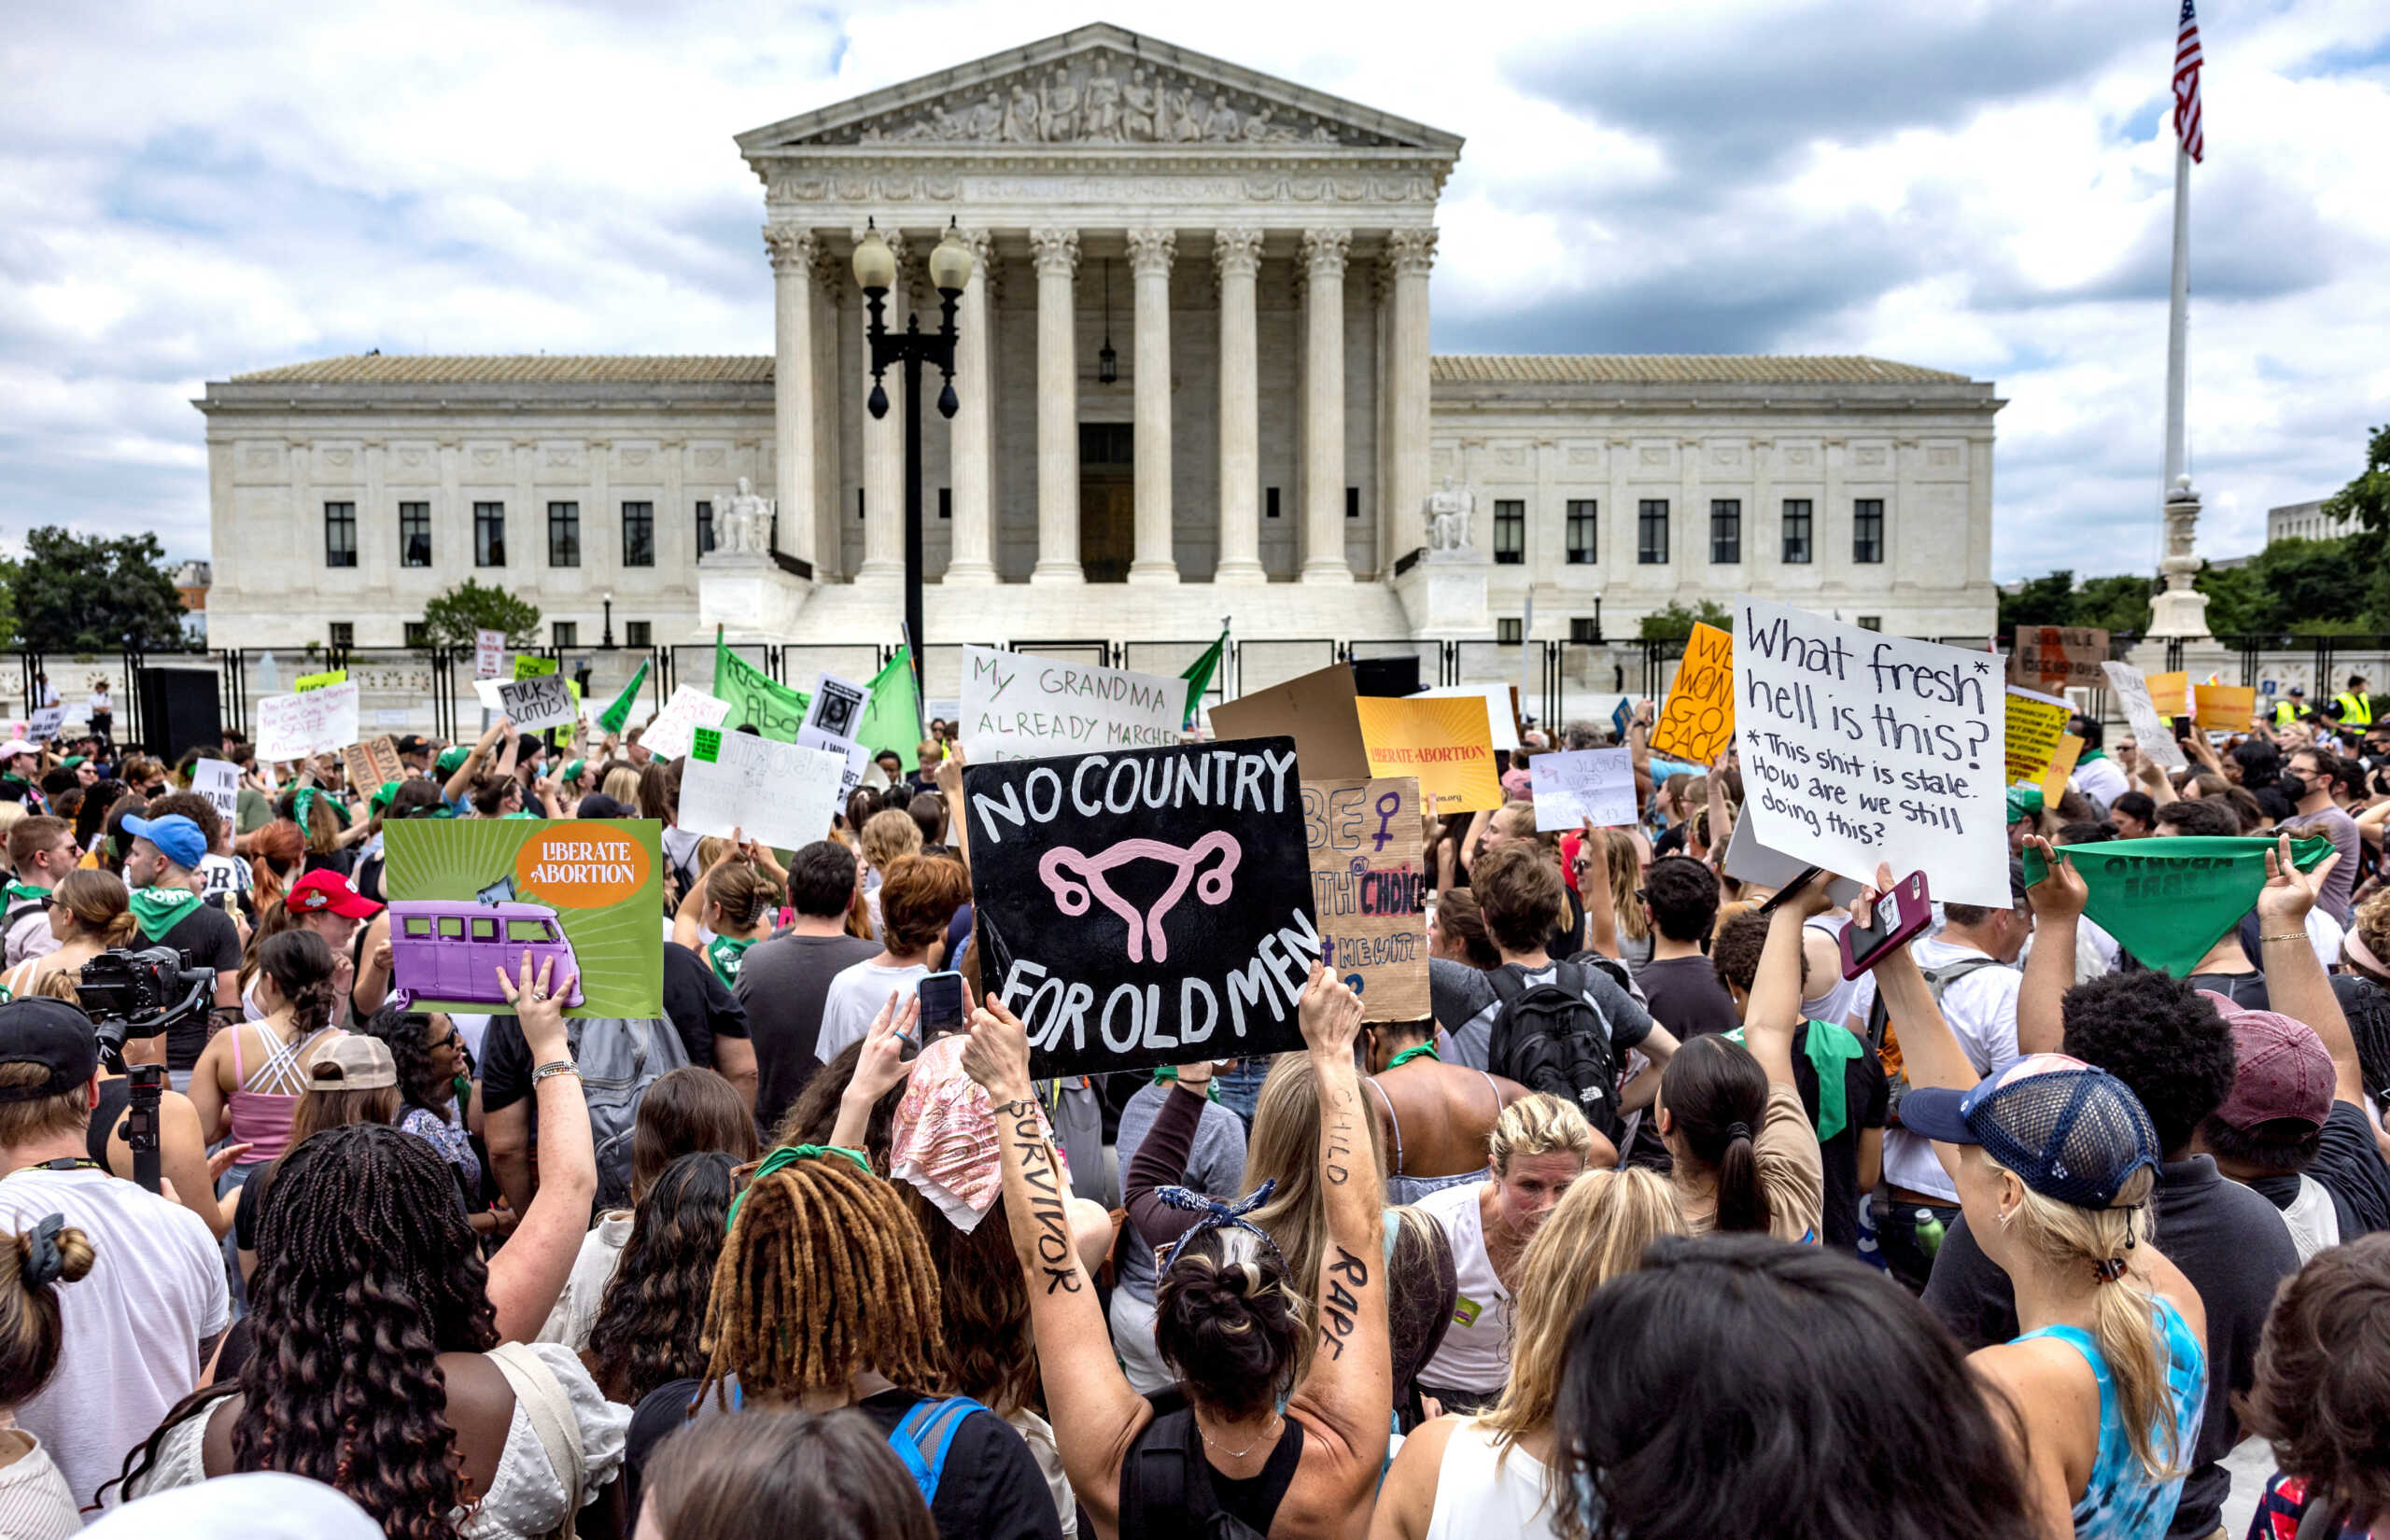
<point>261,1119</point>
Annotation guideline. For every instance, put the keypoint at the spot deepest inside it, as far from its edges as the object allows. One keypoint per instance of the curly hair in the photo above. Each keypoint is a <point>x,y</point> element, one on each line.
<point>2157,1035</point>
<point>2322,1392</point>
<point>815,1112</point>
<point>649,1321</point>
<point>408,1034</point>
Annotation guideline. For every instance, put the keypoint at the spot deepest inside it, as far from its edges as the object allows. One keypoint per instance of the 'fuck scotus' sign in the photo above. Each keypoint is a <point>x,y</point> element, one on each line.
<point>1147,907</point>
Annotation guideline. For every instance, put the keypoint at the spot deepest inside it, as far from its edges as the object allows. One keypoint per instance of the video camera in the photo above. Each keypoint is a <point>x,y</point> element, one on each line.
<point>130,994</point>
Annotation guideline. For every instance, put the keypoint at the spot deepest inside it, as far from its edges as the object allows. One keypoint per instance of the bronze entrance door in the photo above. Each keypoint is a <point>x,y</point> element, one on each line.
<point>1107,500</point>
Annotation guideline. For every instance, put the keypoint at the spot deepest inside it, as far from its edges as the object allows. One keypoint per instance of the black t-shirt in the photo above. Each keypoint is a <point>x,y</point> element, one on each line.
<point>2233,1247</point>
<point>783,983</point>
<point>1685,997</point>
<point>991,1488</point>
<point>2349,1166</point>
<point>212,941</point>
<point>2246,990</point>
<point>1866,1103</point>
<point>700,1008</point>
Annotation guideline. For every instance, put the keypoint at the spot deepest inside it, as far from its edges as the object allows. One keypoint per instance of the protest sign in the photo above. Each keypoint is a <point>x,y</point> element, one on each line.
<point>1369,889</point>
<point>2152,733</point>
<point>2035,725</point>
<point>1578,786</point>
<point>1622,717</point>
<point>1755,866</point>
<point>219,782</point>
<point>489,654</point>
<point>854,757</point>
<point>838,706</point>
<point>777,792</point>
<point>668,735</point>
<point>371,765</point>
<point>305,683</point>
<point>1860,749</point>
<point>298,727</point>
<point>1145,906</point>
<point>2170,693</point>
<point>470,896</point>
<point>2056,657</point>
<point>539,701</point>
<point>1448,743</point>
<point>1699,715</point>
<point>2224,707</point>
<point>1315,709</point>
<point>530,666</point>
<point>756,699</point>
<point>1017,706</point>
<point>2069,749</point>
<point>617,716</point>
<point>2167,901</point>
<point>1501,707</point>
<point>43,725</point>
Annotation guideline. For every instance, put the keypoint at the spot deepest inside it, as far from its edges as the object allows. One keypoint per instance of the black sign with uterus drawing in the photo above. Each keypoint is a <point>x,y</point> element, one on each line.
<point>1144,907</point>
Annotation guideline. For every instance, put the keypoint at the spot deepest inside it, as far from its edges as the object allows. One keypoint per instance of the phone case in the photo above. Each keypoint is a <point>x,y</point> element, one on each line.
<point>1864,945</point>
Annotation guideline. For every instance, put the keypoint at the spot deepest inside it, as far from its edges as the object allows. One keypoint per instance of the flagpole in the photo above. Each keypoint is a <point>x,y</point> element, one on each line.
<point>2178,319</point>
<point>2178,608</point>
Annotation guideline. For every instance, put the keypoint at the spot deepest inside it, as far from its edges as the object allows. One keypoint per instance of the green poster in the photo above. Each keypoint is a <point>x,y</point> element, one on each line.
<point>892,717</point>
<point>469,896</point>
<point>618,716</point>
<point>756,699</point>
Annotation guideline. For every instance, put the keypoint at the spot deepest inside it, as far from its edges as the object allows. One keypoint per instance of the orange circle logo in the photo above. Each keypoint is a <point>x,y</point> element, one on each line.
<point>580,865</point>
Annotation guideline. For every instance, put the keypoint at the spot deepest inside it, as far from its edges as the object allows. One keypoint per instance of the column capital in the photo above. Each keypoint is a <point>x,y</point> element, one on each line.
<point>1411,253</point>
<point>1057,252</point>
<point>1236,253</point>
<point>1324,250</point>
<point>1152,251</point>
<point>791,249</point>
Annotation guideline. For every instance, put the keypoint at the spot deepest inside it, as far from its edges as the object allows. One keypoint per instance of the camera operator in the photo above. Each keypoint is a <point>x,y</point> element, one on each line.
<point>160,869</point>
<point>138,1329</point>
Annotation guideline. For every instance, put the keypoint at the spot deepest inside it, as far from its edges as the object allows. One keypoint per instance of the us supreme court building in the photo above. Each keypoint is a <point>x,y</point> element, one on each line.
<point>1195,381</point>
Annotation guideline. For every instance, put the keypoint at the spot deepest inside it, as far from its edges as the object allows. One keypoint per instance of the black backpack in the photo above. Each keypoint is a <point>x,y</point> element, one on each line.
<point>1166,1483</point>
<point>1548,1038</point>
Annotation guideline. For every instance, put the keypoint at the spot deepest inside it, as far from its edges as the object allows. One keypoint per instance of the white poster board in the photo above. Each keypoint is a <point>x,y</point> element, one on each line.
<point>780,793</point>
<point>852,755</point>
<point>1581,785</point>
<point>219,782</point>
<point>43,725</point>
<point>539,702</point>
<point>668,735</point>
<point>298,727</point>
<point>489,654</point>
<point>838,706</point>
<point>1859,749</point>
<point>1018,706</point>
<point>1753,864</point>
<point>1499,717</point>
<point>2156,735</point>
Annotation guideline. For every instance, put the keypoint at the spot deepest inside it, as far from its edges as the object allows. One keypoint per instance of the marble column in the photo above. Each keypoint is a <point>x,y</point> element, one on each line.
<point>1236,257</point>
<point>969,443</point>
<point>884,439</point>
<point>1150,254</point>
<point>1323,257</point>
<point>792,253</point>
<point>1409,254</point>
<point>1057,252</point>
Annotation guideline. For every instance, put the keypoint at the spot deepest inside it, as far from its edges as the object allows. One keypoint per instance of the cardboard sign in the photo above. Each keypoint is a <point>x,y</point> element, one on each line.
<point>668,737</point>
<point>305,683</point>
<point>1859,747</point>
<point>1580,784</point>
<point>1314,710</point>
<point>489,654</point>
<point>43,725</point>
<point>2069,749</point>
<point>768,790</point>
<point>371,765</point>
<point>219,782</point>
<point>2170,693</point>
<point>1369,889</point>
<point>2036,722</point>
<point>530,666</point>
<point>538,702</point>
<point>298,727</point>
<point>1501,709</point>
<point>1147,907</point>
<point>1699,715</point>
<point>1017,706</point>
<point>470,896</point>
<point>853,758</point>
<point>838,706</point>
<point>2051,658</point>
<point>2153,733</point>
<point>2224,707</point>
<point>1447,743</point>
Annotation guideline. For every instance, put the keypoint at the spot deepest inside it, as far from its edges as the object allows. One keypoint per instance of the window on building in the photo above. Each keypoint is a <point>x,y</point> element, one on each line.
<point>639,633</point>
<point>1726,530</point>
<point>1652,532</point>
<point>1584,628</point>
<point>705,527</point>
<point>1352,502</point>
<point>340,534</point>
<point>1871,622</point>
<point>563,534</point>
<point>415,534</point>
<point>638,534</point>
<point>1582,519</point>
<point>418,634</point>
<point>565,633</point>
<point>1510,631</point>
<point>858,505</point>
<point>1867,529</point>
<point>945,503</point>
<point>1797,531</point>
<point>343,632</point>
<point>490,534</point>
<point>1270,502</point>
<point>1509,531</point>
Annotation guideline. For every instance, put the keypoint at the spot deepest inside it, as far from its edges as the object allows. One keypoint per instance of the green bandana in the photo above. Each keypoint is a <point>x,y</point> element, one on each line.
<point>2168,900</point>
<point>2089,754</point>
<point>1829,1048</point>
<point>159,910</point>
<point>26,890</point>
<point>726,953</point>
<point>1422,1050</point>
<point>789,1155</point>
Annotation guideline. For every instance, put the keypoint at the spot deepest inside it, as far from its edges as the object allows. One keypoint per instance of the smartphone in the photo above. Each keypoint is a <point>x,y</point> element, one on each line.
<point>941,998</point>
<point>1808,876</point>
<point>1904,913</point>
<point>2182,729</point>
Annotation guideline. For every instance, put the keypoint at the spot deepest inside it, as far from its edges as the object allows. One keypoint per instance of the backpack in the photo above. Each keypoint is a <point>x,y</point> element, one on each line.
<point>923,1438</point>
<point>1549,1038</point>
<point>619,1059</point>
<point>1166,1484</point>
<point>18,910</point>
<point>1879,1021</point>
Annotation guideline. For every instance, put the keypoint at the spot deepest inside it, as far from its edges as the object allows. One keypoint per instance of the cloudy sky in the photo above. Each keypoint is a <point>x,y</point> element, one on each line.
<point>189,191</point>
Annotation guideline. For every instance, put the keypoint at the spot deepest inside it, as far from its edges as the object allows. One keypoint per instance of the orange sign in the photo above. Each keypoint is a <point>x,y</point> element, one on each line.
<point>2226,708</point>
<point>2166,692</point>
<point>2069,749</point>
<point>1447,743</point>
<point>1699,714</point>
<point>573,864</point>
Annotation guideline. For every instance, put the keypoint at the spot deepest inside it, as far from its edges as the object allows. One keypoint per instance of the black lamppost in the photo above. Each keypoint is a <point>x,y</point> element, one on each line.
<point>876,271</point>
<point>608,639</point>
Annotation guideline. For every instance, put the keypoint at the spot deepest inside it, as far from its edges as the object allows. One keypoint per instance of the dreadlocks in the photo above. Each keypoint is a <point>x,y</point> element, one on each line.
<point>824,1275</point>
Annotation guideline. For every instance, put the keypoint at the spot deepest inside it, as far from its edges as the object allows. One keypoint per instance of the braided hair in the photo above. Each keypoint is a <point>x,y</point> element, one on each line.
<point>824,1275</point>
<point>408,1034</point>
<point>651,1321</point>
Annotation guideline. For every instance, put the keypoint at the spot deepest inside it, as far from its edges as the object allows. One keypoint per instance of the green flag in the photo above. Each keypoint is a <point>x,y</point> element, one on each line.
<point>892,717</point>
<point>1199,677</point>
<point>756,699</point>
<point>2168,900</point>
<point>618,715</point>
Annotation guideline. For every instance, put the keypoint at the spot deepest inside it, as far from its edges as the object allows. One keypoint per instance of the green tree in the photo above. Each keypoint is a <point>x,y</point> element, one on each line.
<point>78,594</point>
<point>453,617</point>
<point>2119,603</point>
<point>2042,601</point>
<point>2366,499</point>
<point>8,571</point>
<point>2238,604</point>
<point>1676,623</point>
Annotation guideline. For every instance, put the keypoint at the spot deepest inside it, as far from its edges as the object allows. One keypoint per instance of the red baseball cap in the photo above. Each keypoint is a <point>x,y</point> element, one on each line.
<point>2282,1069</point>
<point>318,891</point>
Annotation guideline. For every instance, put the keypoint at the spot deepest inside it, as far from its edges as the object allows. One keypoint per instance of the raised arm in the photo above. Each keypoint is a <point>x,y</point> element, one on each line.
<point>1930,1051</point>
<point>882,1068</point>
<point>530,1269</point>
<point>2058,903</point>
<point>459,783</point>
<point>949,786</point>
<point>2295,984</point>
<point>1592,890</point>
<point>1638,750</point>
<point>2152,777</point>
<point>1775,1009</point>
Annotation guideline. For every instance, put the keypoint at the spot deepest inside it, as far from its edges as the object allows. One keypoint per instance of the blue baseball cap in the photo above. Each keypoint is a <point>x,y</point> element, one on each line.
<point>175,835</point>
<point>2069,1130</point>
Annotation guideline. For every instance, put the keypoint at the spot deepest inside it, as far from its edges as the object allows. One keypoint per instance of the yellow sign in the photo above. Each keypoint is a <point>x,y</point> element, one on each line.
<point>2036,722</point>
<point>2069,749</point>
<point>1448,743</point>
<point>305,683</point>
<point>2226,708</point>
<point>528,665</point>
<point>2167,693</point>
<point>1699,715</point>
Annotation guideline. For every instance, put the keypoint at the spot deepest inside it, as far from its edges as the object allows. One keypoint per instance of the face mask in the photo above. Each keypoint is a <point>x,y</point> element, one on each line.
<point>2295,786</point>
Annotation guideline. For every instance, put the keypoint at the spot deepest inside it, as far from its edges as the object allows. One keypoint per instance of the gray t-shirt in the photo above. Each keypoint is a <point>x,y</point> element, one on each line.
<point>782,983</point>
<point>1465,1004</point>
<point>1216,1165</point>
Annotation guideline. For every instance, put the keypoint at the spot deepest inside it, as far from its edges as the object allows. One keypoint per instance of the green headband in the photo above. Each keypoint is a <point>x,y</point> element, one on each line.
<point>573,769</point>
<point>789,1155</point>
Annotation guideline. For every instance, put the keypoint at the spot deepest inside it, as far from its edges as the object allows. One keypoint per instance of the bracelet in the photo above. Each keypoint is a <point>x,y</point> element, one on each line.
<point>1027,1105</point>
<point>2291,935</point>
<point>555,1067</point>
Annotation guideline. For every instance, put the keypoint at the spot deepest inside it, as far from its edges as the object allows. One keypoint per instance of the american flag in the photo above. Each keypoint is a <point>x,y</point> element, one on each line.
<point>2186,86</point>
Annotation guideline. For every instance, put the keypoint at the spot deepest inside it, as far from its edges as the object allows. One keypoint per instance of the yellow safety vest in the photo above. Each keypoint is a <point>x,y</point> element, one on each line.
<point>2355,710</point>
<point>2285,713</point>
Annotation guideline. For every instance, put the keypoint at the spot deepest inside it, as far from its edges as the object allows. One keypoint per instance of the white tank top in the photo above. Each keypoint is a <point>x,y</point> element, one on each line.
<point>1844,996</point>
<point>1475,1355</point>
<point>1482,1490</point>
<point>2314,1224</point>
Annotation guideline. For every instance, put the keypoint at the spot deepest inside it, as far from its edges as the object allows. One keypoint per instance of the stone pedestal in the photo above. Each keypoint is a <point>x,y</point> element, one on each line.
<point>750,595</point>
<point>1443,595</point>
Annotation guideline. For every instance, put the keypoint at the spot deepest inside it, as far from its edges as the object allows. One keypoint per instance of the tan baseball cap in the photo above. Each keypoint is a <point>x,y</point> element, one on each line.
<point>355,1063</point>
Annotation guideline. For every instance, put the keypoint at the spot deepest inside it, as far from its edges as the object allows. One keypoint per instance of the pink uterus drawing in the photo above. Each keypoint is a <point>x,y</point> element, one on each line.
<point>1071,876</point>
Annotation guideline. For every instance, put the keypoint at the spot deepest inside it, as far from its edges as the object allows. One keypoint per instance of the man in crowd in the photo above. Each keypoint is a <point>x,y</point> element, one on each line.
<point>42,850</point>
<point>2096,776</point>
<point>19,762</point>
<point>1679,984</point>
<point>162,869</point>
<point>2310,784</point>
<point>783,980</point>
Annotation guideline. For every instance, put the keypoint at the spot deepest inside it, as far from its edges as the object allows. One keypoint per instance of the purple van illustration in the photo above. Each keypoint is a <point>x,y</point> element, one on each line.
<point>453,949</point>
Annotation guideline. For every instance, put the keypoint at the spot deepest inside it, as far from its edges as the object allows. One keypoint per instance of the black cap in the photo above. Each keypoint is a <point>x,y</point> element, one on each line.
<point>597,804</point>
<point>413,743</point>
<point>52,1034</point>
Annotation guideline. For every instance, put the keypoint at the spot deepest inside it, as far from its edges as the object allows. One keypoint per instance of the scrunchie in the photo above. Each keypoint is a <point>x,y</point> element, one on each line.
<point>1738,1130</point>
<point>1213,1214</point>
<point>2110,1270</point>
<point>43,1263</point>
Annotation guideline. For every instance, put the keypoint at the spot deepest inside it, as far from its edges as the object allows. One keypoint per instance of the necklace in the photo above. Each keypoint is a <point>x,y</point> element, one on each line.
<point>1275,1423</point>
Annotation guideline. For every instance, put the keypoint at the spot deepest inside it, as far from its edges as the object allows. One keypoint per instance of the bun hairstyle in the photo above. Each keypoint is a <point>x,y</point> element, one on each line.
<point>743,894</point>
<point>1716,1098</point>
<point>1228,1320</point>
<point>42,1257</point>
<point>99,904</point>
<point>301,965</point>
